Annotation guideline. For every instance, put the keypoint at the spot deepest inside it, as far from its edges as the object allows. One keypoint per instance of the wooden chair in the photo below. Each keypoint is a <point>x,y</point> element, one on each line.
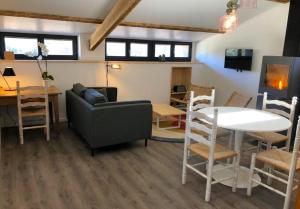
<point>238,100</point>
<point>280,160</point>
<point>33,103</point>
<point>200,139</point>
<point>270,138</point>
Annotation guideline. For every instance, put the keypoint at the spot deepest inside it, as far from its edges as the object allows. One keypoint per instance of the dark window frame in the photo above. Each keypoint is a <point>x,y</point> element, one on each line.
<point>151,50</point>
<point>40,38</point>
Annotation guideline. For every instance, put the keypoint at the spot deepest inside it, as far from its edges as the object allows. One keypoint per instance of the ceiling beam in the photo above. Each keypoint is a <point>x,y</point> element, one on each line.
<point>170,27</point>
<point>119,11</point>
<point>49,16</point>
<point>281,1</point>
<point>99,21</point>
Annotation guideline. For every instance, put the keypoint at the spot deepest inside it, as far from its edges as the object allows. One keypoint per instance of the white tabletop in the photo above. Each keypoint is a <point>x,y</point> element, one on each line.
<point>246,119</point>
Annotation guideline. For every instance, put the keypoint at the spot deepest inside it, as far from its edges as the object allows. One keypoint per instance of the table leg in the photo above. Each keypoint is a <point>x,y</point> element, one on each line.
<point>179,121</point>
<point>56,130</point>
<point>56,109</point>
<point>243,173</point>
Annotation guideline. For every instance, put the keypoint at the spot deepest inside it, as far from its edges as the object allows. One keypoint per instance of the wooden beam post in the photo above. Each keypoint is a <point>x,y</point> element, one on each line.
<point>120,10</point>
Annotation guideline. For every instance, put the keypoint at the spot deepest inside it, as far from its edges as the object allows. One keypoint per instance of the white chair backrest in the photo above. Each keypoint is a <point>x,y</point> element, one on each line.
<point>291,107</point>
<point>295,154</point>
<point>32,96</point>
<point>201,128</point>
<point>281,104</point>
<point>201,101</point>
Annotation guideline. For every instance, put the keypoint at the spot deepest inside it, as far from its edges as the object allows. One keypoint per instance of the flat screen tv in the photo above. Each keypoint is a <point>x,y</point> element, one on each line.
<point>238,59</point>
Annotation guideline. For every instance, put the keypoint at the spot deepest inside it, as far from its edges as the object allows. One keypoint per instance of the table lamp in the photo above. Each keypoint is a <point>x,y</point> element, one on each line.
<point>8,71</point>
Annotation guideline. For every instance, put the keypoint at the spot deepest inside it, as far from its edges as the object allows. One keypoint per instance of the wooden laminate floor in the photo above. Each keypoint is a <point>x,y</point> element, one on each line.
<point>61,174</point>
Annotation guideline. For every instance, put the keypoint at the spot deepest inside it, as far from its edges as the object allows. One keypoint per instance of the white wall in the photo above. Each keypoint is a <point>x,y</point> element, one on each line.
<point>135,81</point>
<point>264,32</point>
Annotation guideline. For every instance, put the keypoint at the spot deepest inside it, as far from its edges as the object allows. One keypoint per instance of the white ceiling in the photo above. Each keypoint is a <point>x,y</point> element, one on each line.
<point>197,13</point>
<point>77,8</point>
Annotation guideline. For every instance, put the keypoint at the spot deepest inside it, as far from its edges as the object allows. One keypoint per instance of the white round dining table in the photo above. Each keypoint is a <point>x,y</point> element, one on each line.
<point>241,120</point>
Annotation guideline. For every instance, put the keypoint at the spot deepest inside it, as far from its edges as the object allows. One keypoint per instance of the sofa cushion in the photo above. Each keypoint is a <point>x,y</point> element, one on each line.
<point>104,92</point>
<point>79,89</point>
<point>93,97</point>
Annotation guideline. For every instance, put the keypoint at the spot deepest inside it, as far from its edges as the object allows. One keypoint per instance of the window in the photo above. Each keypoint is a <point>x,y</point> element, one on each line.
<point>147,50</point>
<point>116,49</point>
<point>21,45</point>
<point>60,47</point>
<point>162,49</point>
<point>182,51</point>
<point>138,49</point>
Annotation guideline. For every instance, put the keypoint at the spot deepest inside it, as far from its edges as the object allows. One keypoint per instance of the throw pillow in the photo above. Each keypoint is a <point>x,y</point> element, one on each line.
<point>104,92</point>
<point>79,89</point>
<point>93,97</point>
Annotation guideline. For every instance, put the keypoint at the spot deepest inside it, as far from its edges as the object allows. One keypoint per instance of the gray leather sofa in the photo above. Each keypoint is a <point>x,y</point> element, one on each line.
<point>111,122</point>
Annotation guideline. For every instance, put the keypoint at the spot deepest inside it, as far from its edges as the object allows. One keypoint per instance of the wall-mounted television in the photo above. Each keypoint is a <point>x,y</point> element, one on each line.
<point>238,59</point>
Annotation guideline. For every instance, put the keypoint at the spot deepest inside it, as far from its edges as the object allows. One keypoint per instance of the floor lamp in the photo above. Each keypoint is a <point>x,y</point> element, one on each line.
<point>112,66</point>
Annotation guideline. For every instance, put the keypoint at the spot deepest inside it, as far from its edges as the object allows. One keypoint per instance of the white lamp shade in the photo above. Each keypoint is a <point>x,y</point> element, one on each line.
<point>229,23</point>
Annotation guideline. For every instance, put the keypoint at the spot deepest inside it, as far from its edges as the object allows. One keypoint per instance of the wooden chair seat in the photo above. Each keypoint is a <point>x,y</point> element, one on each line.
<point>269,137</point>
<point>34,112</point>
<point>221,152</point>
<point>277,158</point>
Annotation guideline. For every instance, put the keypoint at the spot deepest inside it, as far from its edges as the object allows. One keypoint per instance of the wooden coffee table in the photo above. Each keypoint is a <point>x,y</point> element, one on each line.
<point>167,112</point>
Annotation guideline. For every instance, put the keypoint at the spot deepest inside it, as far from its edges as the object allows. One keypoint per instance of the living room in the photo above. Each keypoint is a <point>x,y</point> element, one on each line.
<point>262,27</point>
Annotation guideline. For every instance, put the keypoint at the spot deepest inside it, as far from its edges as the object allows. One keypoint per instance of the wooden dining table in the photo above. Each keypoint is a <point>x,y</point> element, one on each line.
<point>241,120</point>
<point>10,98</point>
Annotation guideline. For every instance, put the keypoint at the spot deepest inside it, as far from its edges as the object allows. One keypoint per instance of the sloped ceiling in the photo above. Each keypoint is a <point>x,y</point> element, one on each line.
<point>197,13</point>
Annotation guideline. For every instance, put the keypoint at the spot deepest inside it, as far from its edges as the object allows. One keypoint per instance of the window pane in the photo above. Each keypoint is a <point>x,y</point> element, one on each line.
<point>21,45</point>
<point>138,50</point>
<point>116,49</point>
<point>182,50</point>
<point>59,47</point>
<point>161,49</point>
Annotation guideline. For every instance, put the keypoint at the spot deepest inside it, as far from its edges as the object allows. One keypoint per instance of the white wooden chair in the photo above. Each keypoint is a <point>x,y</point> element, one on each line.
<point>270,138</point>
<point>33,103</point>
<point>200,139</point>
<point>201,101</point>
<point>281,160</point>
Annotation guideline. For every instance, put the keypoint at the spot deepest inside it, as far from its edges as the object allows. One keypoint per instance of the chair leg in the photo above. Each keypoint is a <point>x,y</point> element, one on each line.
<point>209,180</point>
<point>185,156</point>
<point>259,145</point>
<point>146,142</point>
<point>249,189</point>
<point>270,171</point>
<point>270,168</point>
<point>48,133</point>
<point>289,190</point>
<point>21,134</point>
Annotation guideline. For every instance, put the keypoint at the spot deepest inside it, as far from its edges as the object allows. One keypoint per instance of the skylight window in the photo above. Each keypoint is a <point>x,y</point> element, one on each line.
<point>147,50</point>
